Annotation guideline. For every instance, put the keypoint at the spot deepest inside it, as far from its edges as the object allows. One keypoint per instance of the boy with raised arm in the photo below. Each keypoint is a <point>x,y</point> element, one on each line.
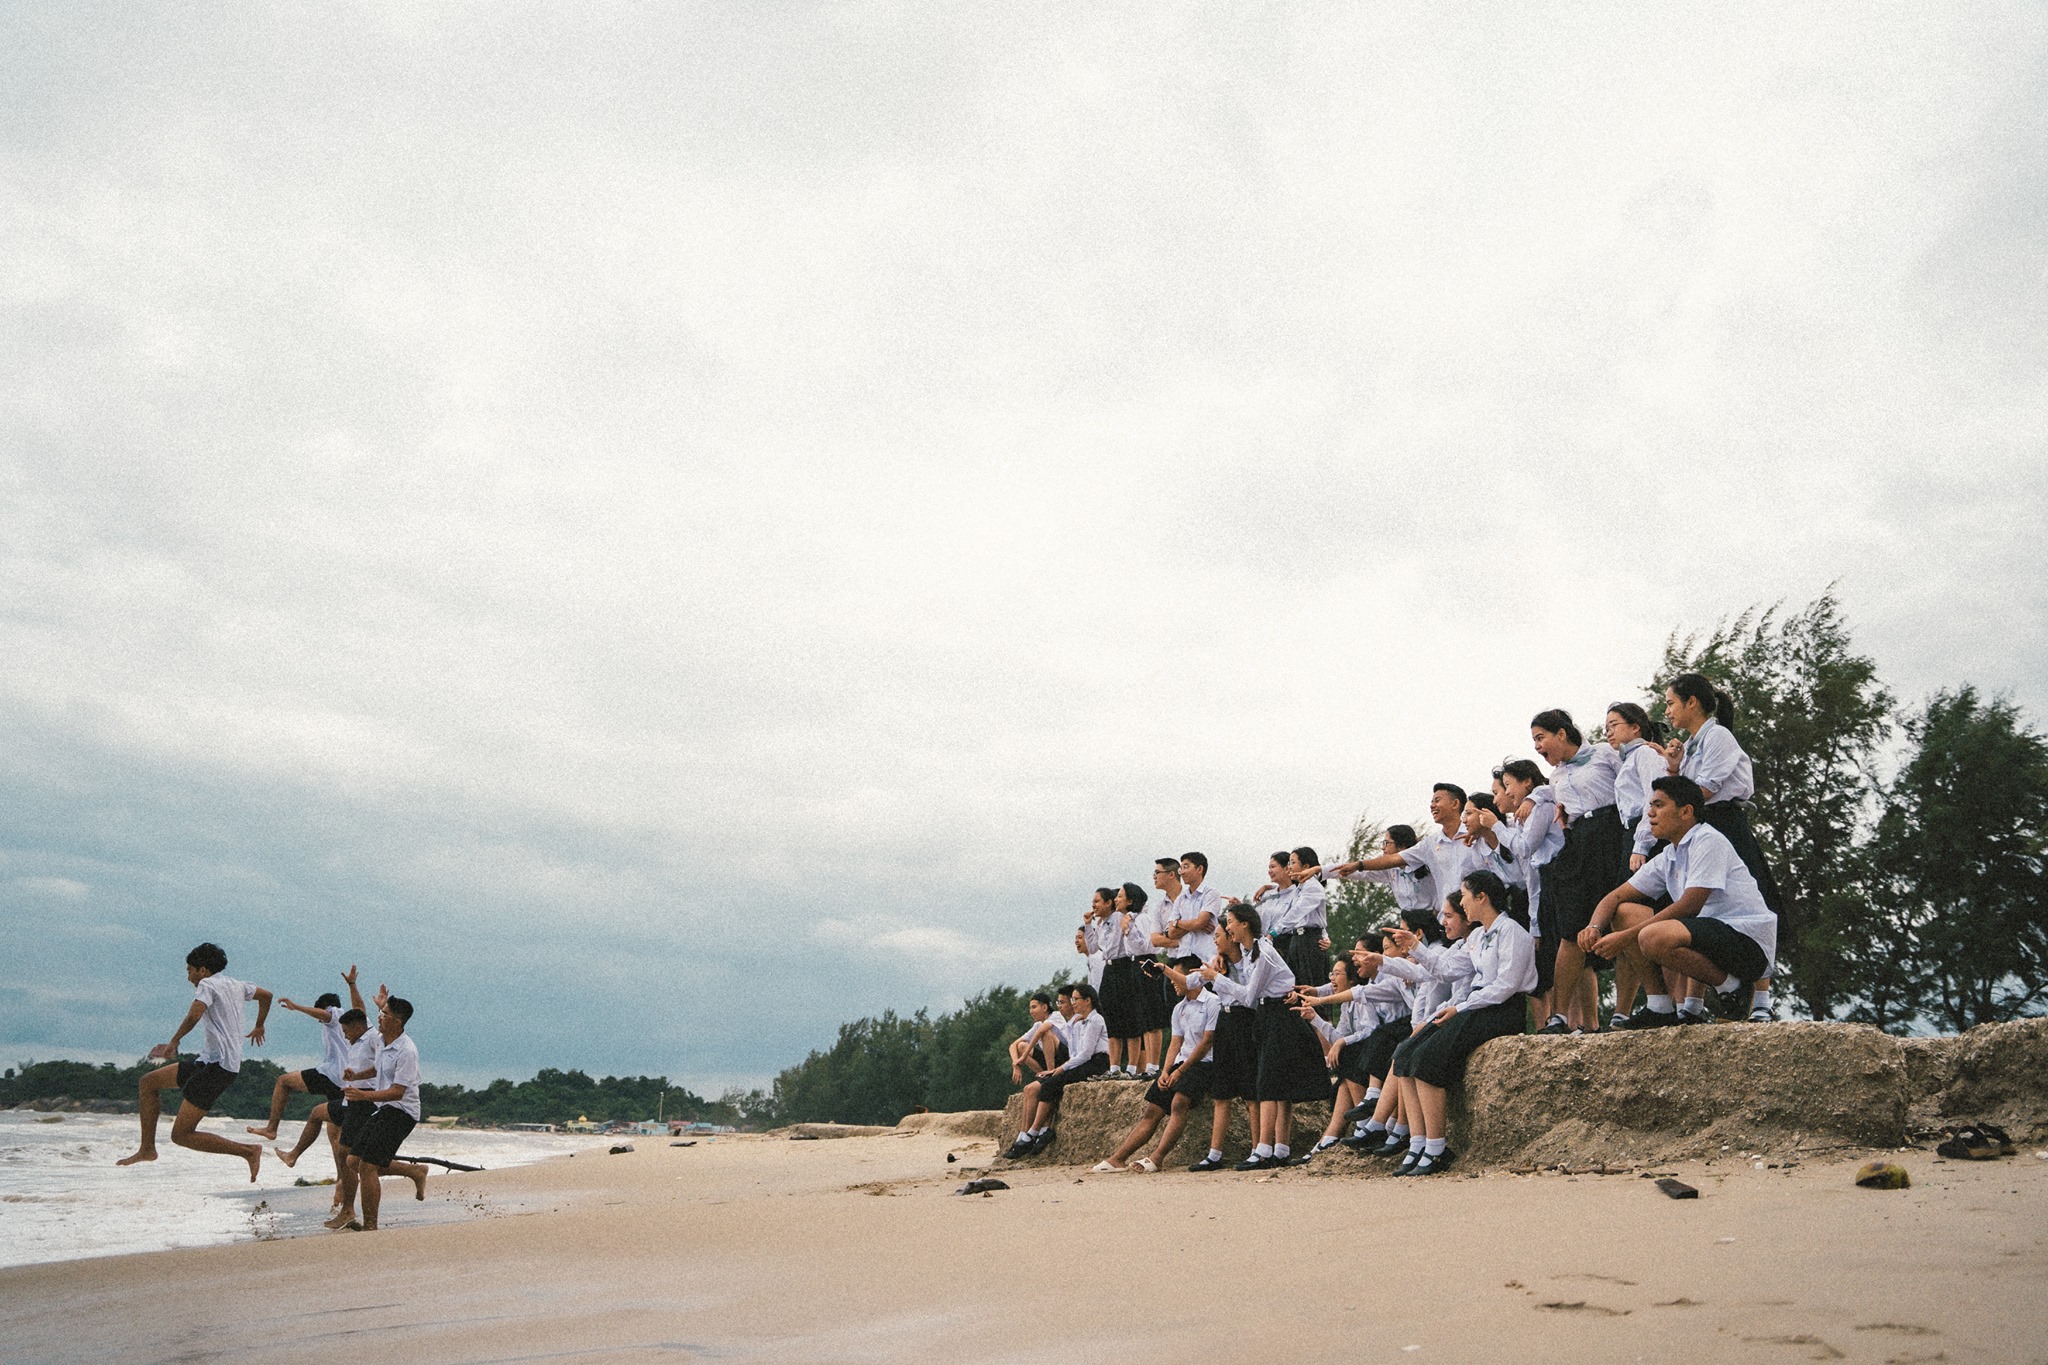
<point>396,1097</point>
<point>360,1070</point>
<point>325,1079</point>
<point>217,1001</point>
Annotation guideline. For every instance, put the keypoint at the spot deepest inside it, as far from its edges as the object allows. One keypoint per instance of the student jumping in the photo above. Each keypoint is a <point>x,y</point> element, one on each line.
<point>217,1001</point>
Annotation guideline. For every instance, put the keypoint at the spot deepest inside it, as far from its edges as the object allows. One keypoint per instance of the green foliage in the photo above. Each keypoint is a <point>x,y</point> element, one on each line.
<point>1811,714</point>
<point>563,1096</point>
<point>1957,914</point>
<point>249,1096</point>
<point>878,1070</point>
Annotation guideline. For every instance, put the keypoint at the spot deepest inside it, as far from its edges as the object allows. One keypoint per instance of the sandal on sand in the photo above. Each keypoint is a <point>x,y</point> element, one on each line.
<point>1104,1168</point>
<point>1147,1165</point>
<point>1969,1144</point>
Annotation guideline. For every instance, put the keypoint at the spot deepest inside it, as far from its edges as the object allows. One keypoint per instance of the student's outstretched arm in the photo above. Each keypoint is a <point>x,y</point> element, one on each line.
<point>165,1051</point>
<point>355,997</point>
<point>262,1013</point>
<point>310,1011</point>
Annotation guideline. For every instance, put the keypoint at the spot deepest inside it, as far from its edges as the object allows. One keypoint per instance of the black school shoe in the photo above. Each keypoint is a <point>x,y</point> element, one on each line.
<point>1732,1005</point>
<point>1408,1163</point>
<point>1556,1027</point>
<point>1644,1018</point>
<point>1359,1113</point>
<point>1257,1163</point>
<point>1432,1165</point>
<point>1363,1142</point>
<point>1019,1149</point>
<point>1389,1146</point>
<point>1208,1163</point>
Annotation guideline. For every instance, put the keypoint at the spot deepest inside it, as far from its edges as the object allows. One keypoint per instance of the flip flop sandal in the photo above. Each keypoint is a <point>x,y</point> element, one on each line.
<point>1147,1165</point>
<point>1104,1168</point>
<point>1968,1144</point>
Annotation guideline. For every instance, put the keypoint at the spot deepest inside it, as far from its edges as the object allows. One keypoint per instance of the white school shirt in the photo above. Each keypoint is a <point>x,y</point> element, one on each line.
<point>1311,905</point>
<point>1537,841</point>
<point>1500,857</point>
<point>220,1028</point>
<point>333,1046</point>
<point>1704,857</point>
<point>1192,1019</point>
<point>1641,764</point>
<point>1439,974</point>
<point>1410,885</point>
<point>1269,978</point>
<point>1585,782</point>
<point>398,1063</point>
<point>1714,759</point>
<point>1190,905</point>
<point>1276,911</point>
<point>1504,964</point>
<point>1442,854</point>
<point>1085,1038</point>
<point>362,1056</point>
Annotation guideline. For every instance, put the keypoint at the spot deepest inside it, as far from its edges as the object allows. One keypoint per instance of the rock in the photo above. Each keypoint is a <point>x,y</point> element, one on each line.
<point>1883,1175</point>
<point>967,1123</point>
<point>983,1186</point>
<point>621,1148</point>
<point>809,1131</point>
<point>1997,1073</point>
<point>1677,1189</point>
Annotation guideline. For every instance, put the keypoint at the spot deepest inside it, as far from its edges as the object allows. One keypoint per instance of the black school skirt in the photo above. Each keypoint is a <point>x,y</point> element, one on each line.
<point>1305,956</point>
<point>1291,1066</point>
<point>1160,998</point>
<point>1440,1058</point>
<point>1122,998</point>
<point>1732,820</point>
<point>1375,1052</point>
<point>1593,861</point>
<point>1234,1055</point>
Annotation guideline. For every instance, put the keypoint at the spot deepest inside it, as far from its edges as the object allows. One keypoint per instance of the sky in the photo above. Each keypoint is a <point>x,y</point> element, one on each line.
<point>657,530</point>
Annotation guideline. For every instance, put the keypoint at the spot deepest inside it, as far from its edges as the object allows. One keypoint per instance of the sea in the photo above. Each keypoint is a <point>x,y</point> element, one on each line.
<point>62,1198</point>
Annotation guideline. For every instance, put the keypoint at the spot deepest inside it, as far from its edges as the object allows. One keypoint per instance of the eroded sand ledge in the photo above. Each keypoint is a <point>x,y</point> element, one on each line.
<point>1785,1088</point>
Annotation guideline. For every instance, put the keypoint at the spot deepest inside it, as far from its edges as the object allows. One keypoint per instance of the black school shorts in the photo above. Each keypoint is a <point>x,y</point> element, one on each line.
<point>383,1135</point>
<point>1728,948</point>
<point>316,1083</point>
<point>201,1083</point>
<point>355,1117</point>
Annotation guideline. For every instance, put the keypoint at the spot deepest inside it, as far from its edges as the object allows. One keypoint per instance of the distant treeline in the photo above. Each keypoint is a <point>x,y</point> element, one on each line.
<point>550,1097</point>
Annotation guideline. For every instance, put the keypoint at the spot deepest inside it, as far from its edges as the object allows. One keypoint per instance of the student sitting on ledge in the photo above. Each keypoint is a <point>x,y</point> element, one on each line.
<point>1089,1047</point>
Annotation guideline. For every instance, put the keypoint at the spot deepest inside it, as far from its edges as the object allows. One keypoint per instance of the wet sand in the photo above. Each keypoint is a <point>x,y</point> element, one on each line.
<point>857,1249</point>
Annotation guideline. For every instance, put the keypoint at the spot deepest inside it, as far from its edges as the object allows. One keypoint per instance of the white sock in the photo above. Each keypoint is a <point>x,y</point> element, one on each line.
<point>1281,1150</point>
<point>1730,984</point>
<point>1760,1001</point>
<point>1215,1154</point>
<point>1559,1019</point>
<point>1372,1126</point>
<point>1695,1004</point>
<point>1659,1004</point>
<point>1434,1146</point>
<point>1399,1130</point>
<point>1027,1135</point>
<point>1263,1150</point>
<point>1325,1143</point>
<point>1372,1092</point>
<point>1417,1143</point>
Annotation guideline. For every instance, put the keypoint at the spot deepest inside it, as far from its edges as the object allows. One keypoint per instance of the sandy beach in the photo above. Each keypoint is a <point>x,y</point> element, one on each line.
<point>858,1249</point>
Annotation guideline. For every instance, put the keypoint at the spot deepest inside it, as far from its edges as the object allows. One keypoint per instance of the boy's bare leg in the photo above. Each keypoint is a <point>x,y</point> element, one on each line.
<point>367,1183</point>
<point>286,1084</point>
<point>1140,1131</point>
<point>185,1132</point>
<point>334,1145</point>
<point>1176,1120</point>
<point>150,1102</point>
<point>412,1171</point>
<point>344,1212</point>
<point>311,1131</point>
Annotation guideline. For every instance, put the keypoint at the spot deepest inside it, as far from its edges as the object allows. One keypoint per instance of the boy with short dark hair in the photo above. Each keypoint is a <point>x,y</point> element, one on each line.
<point>217,1001</point>
<point>374,1152</point>
<point>1088,1056</point>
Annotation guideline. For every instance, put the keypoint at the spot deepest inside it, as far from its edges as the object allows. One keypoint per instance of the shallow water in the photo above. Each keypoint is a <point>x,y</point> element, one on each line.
<point>62,1197</point>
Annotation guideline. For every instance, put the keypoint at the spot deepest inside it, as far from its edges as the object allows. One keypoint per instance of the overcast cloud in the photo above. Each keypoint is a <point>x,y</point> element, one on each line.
<point>605,515</point>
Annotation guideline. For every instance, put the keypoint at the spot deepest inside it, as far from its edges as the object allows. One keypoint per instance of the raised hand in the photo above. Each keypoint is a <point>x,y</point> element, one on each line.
<point>350,975</point>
